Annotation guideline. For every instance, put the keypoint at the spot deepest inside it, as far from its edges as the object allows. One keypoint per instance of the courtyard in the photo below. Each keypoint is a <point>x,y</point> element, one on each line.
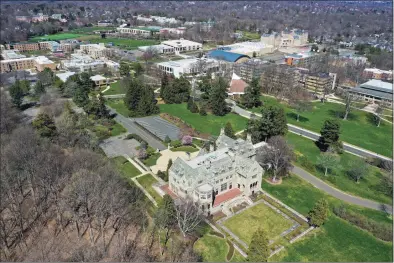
<point>166,155</point>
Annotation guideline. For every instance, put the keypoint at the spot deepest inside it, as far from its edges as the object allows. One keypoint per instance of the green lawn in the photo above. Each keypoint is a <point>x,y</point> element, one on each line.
<point>58,36</point>
<point>126,42</point>
<point>237,257</point>
<point>117,129</point>
<point>206,124</point>
<point>115,88</point>
<point>257,216</point>
<point>91,29</point>
<point>367,187</point>
<point>358,129</point>
<point>152,159</point>
<point>212,248</point>
<point>186,148</point>
<point>336,240</point>
<point>127,169</point>
<point>146,181</point>
<point>250,35</point>
<point>118,105</point>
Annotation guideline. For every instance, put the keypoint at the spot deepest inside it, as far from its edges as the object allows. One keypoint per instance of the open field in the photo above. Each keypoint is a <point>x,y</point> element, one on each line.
<point>127,169</point>
<point>336,240</point>
<point>359,129</point>
<point>146,181</point>
<point>118,105</point>
<point>115,88</point>
<point>247,222</point>
<point>367,187</point>
<point>212,248</point>
<point>206,124</point>
<point>126,43</point>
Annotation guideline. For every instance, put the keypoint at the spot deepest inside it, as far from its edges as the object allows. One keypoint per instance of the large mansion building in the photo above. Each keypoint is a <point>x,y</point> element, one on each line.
<point>213,178</point>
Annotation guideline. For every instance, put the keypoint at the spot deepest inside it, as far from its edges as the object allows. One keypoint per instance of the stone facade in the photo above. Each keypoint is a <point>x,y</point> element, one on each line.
<point>216,177</point>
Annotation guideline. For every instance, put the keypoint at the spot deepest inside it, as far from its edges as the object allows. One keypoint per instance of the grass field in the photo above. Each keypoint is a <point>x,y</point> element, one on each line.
<point>257,216</point>
<point>212,248</point>
<point>206,124</point>
<point>91,29</point>
<point>358,129</point>
<point>250,35</point>
<point>115,88</point>
<point>117,129</point>
<point>119,106</point>
<point>146,181</point>
<point>126,43</point>
<point>367,187</point>
<point>58,36</point>
<point>336,240</point>
<point>127,169</point>
<point>186,148</point>
<point>152,159</point>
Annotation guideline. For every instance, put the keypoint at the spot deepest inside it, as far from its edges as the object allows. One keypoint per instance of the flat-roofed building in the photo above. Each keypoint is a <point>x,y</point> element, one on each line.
<point>104,23</point>
<point>49,45</point>
<point>81,63</point>
<point>96,50</point>
<point>252,68</point>
<point>11,54</point>
<point>42,62</point>
<point>375,91</point>
<point>301,59</point>
<point>286,38</point>
<point>183,45</point>
<point>375,73</point>
<point>191,66</point>
<point>161,49</point>
<point>319,82</point>
<point>248,48</point>
<point>143,31</point>
<point>9,65</point>
<point>23,46</point>
<point>99,80</point>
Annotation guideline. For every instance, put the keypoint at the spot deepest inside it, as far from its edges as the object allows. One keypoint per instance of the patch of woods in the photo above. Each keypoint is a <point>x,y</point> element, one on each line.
<point>58,198</point>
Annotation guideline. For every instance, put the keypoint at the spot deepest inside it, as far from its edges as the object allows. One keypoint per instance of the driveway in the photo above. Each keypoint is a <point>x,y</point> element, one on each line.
<point>118,146</point>
<point>337,193</point>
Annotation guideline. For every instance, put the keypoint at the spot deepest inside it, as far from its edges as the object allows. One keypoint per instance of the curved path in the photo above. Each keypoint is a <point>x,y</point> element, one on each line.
<point>339,194</point>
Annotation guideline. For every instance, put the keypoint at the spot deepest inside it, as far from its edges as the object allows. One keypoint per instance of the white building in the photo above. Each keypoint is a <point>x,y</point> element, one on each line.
<point>183,45</point>
<point>287,38</point>
<point>11,54</point>
<point>65,75</point>
<point>164,20</point>
<point>141,31</point>
<point>189,66</point>
<point>82,63</point>
<point>249,48</point>
<point>161,49</point>
<point>218,177</point>
<point>96,50</point>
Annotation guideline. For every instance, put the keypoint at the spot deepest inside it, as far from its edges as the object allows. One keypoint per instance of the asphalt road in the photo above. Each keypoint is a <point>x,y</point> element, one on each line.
<point>313,135</point>
<point>339,194</point>
<point>131,127</point>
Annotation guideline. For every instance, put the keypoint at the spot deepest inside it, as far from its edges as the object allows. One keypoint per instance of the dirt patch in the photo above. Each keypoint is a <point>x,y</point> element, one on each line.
<point>184,127</point>
<point>279,181</point>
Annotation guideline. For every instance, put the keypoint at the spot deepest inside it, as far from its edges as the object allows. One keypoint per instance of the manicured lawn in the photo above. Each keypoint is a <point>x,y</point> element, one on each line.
<point>146,181</point>
<point>199,143</point>
<point>115,88</point>
<point>189,149</point>
<point>152,159</point>
<point>126,42</point>
<point>337,240</point>
<point>212,248</point>
<point>358,129</point>
<point>59,36</point>
<point>247,222</point>
<point>206,124</point>
<point>117,129</point>
<point>119,106</point>
<point>237,257</point>
<point>367,187</point>
<point>127,169</point>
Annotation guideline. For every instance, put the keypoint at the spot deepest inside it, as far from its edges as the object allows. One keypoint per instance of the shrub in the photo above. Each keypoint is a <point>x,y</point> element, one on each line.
<point>135,137</point>
<point>379,230</point>
<point>142,154</point>
<point>176,144</point>
<point>167,139</point>
<point>187,140</point>
<point>193,108</point>
<point>203,112</point>
<point>144,145</point>
<point>163,175</point>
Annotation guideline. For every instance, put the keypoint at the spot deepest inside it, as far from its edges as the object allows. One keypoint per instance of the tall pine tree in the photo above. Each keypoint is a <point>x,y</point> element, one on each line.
<point>218,97</point>
<point>251,98</point>
<point>177,91</point>
<point>272,122</point>
<point>133,93</point>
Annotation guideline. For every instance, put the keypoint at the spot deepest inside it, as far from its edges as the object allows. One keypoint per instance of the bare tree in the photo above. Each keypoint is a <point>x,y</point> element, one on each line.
<point>188,216</point>
<point>276,156</point>
<point>349,99</point>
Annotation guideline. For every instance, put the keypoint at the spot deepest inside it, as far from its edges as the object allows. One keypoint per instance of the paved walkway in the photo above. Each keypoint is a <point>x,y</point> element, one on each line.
<point>166,155</point>
<point>337,193</point>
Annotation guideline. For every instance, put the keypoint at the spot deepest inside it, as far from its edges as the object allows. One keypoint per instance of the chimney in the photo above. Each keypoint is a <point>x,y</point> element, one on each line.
<point>248,137</point>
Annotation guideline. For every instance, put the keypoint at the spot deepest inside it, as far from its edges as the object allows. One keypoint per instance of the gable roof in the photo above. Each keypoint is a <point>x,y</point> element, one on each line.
<point>237,85</point>
<point>227,56</point>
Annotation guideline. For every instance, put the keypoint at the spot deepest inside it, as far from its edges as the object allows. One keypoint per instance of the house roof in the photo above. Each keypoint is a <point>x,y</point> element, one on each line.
<point>237,85</point>
<point>97,78</point>
<point>226,196</point>
<point>227,56</point>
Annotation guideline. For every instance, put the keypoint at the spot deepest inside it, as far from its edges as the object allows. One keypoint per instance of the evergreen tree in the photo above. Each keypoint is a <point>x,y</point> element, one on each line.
<point>25,86</point>
<point>39,89</point>
<point>85,82</point>
<point>16,93</point>
<point>44,125</point>
<point>124,69</point>
<point>164,84</point>
<point>272,122</point>
<point>259,250</point>
<point>189,103</point>
<point>229,131</point>
<point>330,135</point>
<point>203,112</point>
<point>137,68</point>
<point>177,91</point>
<point>97,108</point>
<point>133,93</point>
<point>218,97</point>
<point>146,105</point>
<point>169,165</point>
<point>193,108</point>
<point>318,215</point>
<point>251,98</point>
<point>81,97</point>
